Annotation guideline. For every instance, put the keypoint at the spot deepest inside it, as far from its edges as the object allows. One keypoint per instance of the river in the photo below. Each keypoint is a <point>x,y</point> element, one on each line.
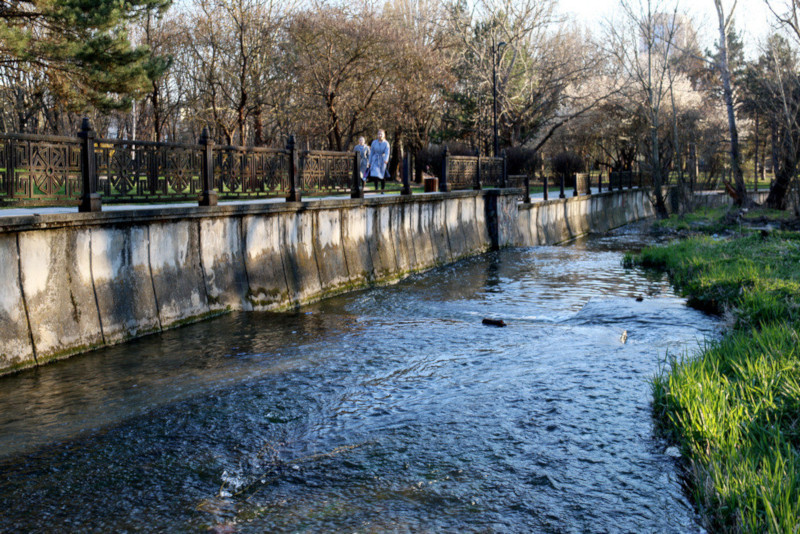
<point>389,409</point>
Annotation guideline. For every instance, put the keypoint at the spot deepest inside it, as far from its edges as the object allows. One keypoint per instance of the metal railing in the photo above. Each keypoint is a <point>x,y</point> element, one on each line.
<point>472,172</point>
<point>326,172</point>
<point>85,170</point>
<point>44,169</point>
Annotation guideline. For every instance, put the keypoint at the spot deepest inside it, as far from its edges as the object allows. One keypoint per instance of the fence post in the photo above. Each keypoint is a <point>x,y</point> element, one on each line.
<point>478,177</point>
<point>356,189</point>
<point>504,176</point>
<point>600,182</point>
<point>208,197</point>
<point>90,198</point>
<point>294,191</point>
<point>589,183</point>
<point>406,190</point>
<point>11,166</point>
<point>575,189</point>
<point>546,190</point>
<point>561,194</point>
<point>444,187</point>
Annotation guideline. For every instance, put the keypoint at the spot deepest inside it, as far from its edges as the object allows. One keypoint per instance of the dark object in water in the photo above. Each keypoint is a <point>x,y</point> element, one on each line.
<point>639,299</point>
<point>494,322</point>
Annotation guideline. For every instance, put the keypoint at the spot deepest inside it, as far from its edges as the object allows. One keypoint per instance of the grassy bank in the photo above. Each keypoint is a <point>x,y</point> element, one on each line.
<point>734,408</point>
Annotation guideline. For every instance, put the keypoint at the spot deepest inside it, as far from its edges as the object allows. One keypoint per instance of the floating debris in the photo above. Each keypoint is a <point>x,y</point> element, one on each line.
<point>624,337</point>
<point>639,298</point>
<point>493,322</point>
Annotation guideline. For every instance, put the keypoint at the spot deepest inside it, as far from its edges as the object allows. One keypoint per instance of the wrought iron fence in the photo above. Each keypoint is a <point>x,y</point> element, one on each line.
<point>136,171</point>
<point>473,172</point>
<point>322,171</point>
<point>251,172</point>
<point>492,172</point>
<point>84,170</point>
<point>42,169</point>
<point>462,172</point>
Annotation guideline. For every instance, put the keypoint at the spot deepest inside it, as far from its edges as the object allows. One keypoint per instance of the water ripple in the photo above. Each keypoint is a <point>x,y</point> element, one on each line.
<point>391,409</point>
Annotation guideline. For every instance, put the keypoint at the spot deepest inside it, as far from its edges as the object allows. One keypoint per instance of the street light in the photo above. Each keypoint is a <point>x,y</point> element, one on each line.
<point>495,50</point>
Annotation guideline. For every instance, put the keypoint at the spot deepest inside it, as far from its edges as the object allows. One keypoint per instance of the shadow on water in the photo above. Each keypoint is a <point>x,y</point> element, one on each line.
<point>382,410</point>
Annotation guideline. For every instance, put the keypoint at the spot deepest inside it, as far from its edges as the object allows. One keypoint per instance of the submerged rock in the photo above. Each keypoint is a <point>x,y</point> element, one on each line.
<point>493,322</point>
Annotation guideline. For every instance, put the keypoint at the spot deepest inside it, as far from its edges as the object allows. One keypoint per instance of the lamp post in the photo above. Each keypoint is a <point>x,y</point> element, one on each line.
<point>495,50</point>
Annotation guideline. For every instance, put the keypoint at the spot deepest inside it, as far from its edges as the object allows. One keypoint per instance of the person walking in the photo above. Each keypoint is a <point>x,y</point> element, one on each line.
<point>363,163</point>
<point>379,159</point>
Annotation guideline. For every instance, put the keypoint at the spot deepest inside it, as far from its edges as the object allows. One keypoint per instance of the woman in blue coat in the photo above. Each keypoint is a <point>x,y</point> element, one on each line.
<point>363,151</point>
<point>379,159</point>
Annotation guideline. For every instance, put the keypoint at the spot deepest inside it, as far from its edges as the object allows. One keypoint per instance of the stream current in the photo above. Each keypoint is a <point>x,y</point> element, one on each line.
<point>388,409</point>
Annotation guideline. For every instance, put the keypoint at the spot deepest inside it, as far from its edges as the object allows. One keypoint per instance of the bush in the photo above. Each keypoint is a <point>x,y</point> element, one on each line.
<point>567,163</point>
<point>523,160</point>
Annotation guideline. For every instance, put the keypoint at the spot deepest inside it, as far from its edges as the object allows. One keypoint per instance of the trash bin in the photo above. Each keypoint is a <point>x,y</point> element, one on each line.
<point>431,185</point>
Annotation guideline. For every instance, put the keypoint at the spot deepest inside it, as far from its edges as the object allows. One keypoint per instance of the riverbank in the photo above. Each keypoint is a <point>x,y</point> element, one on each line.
<point>734,408</point>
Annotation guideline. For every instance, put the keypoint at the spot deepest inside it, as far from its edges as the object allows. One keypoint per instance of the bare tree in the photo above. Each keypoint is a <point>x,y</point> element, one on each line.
<point>545,68</point>
<point>643,44</point>
<point>725,21</point>
<point>343,59</point>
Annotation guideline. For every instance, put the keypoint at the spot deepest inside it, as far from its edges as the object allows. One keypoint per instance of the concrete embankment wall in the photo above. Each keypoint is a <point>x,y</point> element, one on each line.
<point>554,221</point>
<point>716,199</point>
<point>73,282</point>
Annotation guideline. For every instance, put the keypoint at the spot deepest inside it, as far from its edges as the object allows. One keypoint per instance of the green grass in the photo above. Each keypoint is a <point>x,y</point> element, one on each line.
<point>734,408</point>
<point>703,220</point>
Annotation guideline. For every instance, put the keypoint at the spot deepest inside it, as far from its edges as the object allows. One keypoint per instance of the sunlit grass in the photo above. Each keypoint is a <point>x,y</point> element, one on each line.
<point>734,408</point>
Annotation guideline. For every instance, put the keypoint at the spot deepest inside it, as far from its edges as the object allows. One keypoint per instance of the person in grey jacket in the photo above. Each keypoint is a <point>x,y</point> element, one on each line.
<point>363,150</point>
<point>379,159</point>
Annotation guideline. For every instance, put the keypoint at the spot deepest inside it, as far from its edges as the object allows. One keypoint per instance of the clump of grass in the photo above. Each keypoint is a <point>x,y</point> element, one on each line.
<point>734,408</point>
<point>708,220</point>
<point>723,220</point>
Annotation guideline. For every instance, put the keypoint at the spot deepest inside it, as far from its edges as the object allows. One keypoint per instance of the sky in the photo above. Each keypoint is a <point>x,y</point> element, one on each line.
<point>752,18</point>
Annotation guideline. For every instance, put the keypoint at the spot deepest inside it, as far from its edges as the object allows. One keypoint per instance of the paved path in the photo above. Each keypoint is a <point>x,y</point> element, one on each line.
<point>22,212</point>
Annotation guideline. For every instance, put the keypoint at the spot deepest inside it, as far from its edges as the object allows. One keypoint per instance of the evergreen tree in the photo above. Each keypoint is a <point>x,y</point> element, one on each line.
<point>81,46</point>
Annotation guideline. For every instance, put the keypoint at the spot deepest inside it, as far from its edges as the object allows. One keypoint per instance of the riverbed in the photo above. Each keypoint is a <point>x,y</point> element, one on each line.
<point>388,409</point>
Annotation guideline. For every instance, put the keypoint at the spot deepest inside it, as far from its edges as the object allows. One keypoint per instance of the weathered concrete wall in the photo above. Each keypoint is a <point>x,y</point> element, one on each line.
<point>73,282</point>
<point>717,199</point>
<point>555,221</point>
<point>558,220</point>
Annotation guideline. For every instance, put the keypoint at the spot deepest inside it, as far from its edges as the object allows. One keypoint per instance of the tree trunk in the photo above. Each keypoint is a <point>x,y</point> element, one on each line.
<point>157,122</point>
<point>258,127</point>
<point>755,164</point>
<point>396,153</point>
<point>784,173</point>
<point>727,92</point>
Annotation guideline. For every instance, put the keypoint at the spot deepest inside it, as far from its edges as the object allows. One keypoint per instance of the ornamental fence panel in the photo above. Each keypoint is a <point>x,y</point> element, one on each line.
<point>40,169</point>
<point>326,172</point>
<point>251,172</point>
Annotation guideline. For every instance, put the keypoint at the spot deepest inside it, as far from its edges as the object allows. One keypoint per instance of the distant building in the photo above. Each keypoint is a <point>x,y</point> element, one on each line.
<point>669,30</point>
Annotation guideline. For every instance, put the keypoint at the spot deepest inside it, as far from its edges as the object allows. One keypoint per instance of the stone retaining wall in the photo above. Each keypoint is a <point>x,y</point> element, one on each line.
<point>73,282</point>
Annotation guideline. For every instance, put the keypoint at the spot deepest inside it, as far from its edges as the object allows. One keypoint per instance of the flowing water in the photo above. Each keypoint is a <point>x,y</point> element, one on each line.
<point>389,409</point>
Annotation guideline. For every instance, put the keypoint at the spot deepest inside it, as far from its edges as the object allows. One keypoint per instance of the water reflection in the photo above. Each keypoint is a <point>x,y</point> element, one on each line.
<point>388,409</point>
